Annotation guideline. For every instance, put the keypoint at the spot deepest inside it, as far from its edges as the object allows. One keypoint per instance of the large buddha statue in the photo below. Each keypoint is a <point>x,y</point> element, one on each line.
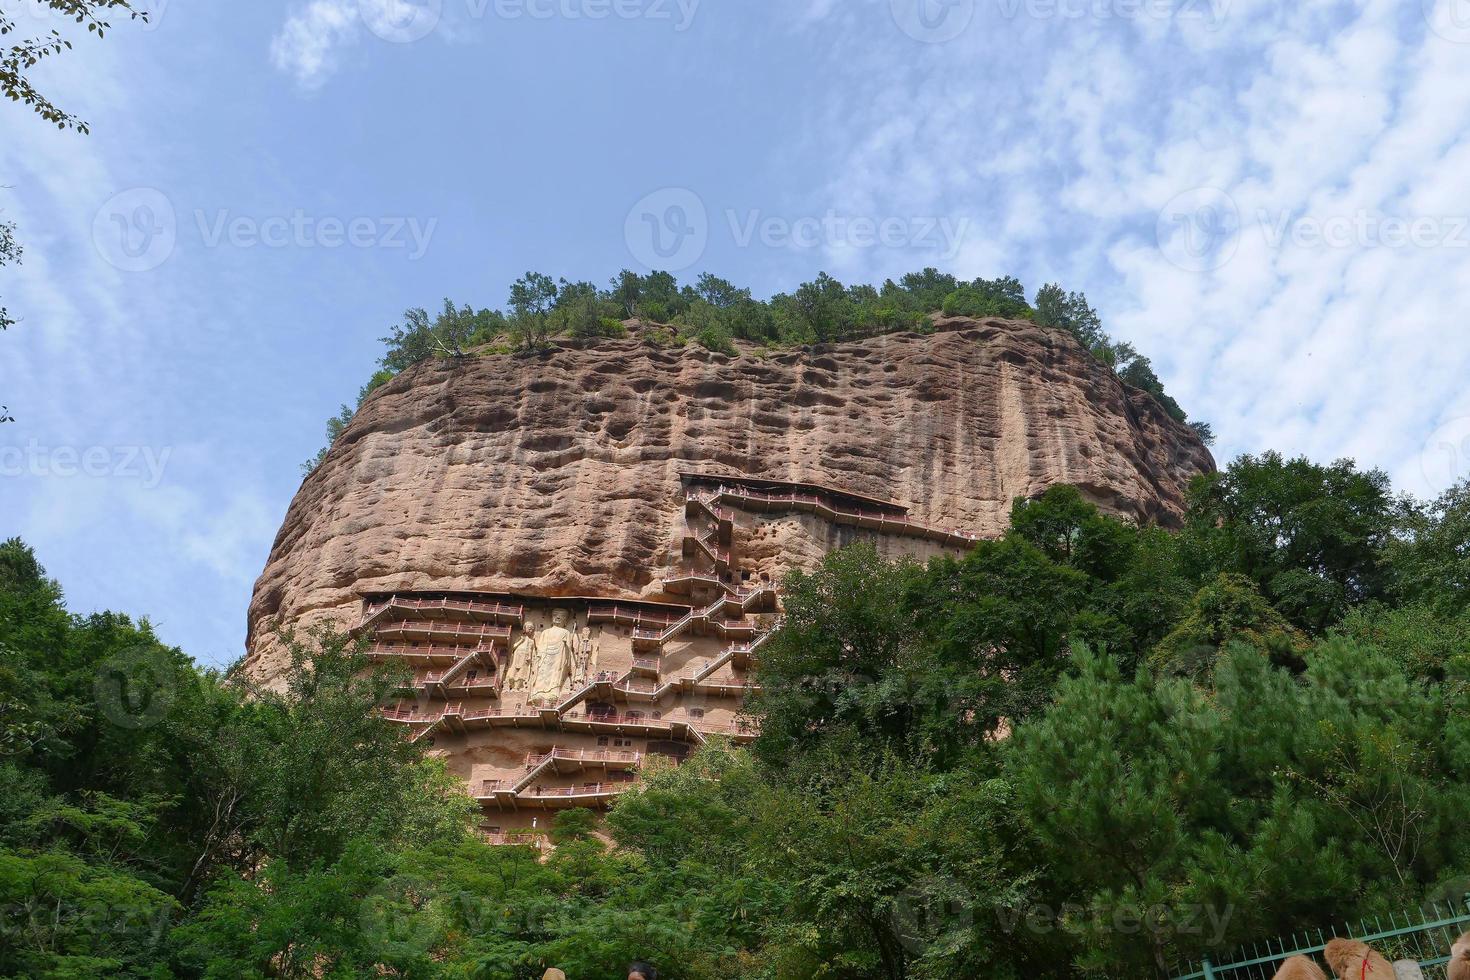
<point>556,660</point>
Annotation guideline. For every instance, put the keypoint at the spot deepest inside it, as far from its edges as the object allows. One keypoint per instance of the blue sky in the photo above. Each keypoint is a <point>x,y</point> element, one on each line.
<point>1268,198</point>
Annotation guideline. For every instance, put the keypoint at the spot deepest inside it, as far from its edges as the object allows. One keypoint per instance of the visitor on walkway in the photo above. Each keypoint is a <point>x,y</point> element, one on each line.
<point>641,971</point>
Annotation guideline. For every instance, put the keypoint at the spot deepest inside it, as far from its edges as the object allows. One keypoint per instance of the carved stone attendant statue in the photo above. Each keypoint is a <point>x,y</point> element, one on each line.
<point>518,675</point>
<point>556,659</point>
<point>586,660</point>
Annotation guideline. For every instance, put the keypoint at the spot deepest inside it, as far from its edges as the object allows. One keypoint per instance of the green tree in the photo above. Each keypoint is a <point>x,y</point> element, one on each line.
<point>1004,297</point>
<point>1311,537</point>
<point>1228,610</point>
<point>847,630</point>
<point>1428,557</point>
<point>1139,373</point>
<point>532,299</point>
<point>1005,613</point>
<point>926,290</point>
<point>1072,313</point>
<point>817,312</point>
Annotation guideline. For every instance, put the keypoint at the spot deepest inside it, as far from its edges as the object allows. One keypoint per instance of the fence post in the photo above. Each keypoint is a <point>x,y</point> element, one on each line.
<point>1209,973</point>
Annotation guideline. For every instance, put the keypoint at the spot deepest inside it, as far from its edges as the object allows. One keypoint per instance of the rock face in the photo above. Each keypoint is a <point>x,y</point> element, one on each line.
<point>559,475</point>
<point>576,556</point>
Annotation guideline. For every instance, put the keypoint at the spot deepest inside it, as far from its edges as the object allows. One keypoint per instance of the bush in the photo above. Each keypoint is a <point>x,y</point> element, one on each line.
<point>716,339</point>
<point>982,298</point>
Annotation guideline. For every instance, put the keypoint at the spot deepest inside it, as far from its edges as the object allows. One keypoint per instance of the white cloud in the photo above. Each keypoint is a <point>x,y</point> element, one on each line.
<point>1063,139</point>
<point>309,44</point>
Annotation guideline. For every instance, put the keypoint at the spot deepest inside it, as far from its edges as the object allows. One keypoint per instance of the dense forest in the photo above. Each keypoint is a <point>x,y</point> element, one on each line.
<point>1086,748</point>
<point>714,313</point>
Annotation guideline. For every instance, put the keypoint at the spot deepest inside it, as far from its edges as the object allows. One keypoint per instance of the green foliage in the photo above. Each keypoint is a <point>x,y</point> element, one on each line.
<point>1311,537</point>
<point>1086,747</point>
<point>1429,558</point>
<point>1425,643</point>
<point>1205,431</point>
<point>1228,610</point>
<point>1139,373</point>
<point>10,254</point>
<point>1004,297</point>
<point>714,313</point>
<point>21,57</point>
<point>817,312</point>
<point>1072,313</point>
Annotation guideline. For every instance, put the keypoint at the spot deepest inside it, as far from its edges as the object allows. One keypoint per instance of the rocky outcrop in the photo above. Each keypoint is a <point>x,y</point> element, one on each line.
<point>559,475</point>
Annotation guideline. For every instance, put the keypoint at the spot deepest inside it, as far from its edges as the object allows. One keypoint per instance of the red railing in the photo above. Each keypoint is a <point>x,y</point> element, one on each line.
<point>616,718</point>
<point>439,628</point>
<point>382,649</point>
<point>584,755</point>
<point>589,789</point>
<point>632,614</point>
<point>516,613</point>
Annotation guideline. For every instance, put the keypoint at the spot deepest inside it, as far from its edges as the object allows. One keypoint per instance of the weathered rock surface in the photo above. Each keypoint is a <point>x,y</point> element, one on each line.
<point>558,475</point>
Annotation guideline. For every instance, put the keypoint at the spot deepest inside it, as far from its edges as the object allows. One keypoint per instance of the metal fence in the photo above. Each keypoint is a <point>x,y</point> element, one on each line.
<point>1424,937</point>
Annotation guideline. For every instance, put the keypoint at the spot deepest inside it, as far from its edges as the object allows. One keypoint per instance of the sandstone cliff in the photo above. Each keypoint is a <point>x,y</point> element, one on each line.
<point>559,475</point>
